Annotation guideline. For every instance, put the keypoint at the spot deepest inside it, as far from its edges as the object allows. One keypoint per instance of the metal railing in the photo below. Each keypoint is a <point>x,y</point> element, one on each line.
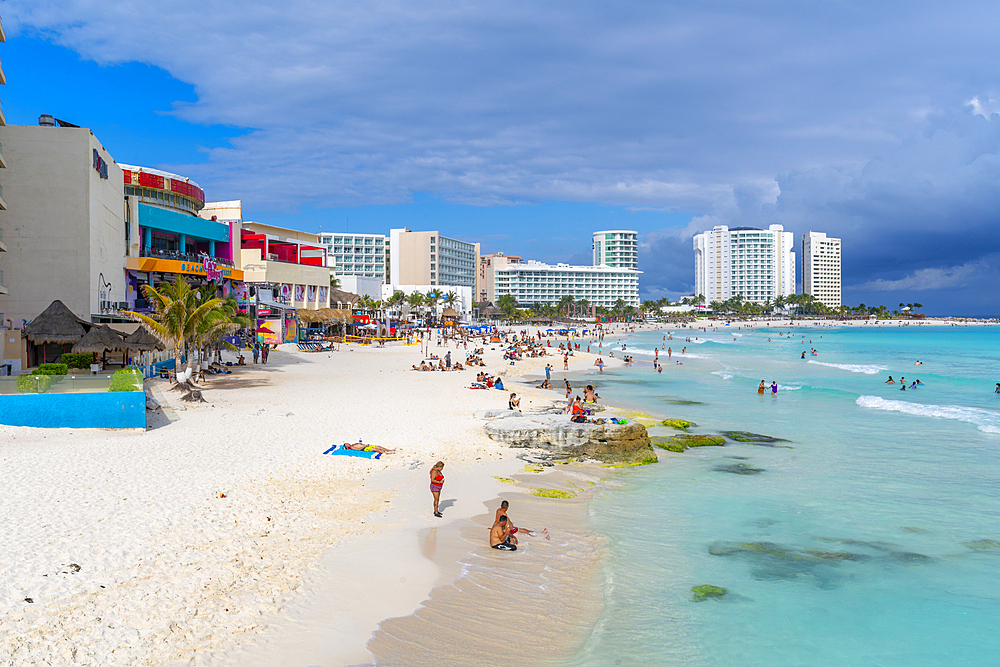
<point>185,257</point>
<point>1,274</point>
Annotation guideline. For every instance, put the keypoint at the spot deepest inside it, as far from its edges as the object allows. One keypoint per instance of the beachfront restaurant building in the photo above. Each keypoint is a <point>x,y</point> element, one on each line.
<point>171,239</point>
<point>285,270</point>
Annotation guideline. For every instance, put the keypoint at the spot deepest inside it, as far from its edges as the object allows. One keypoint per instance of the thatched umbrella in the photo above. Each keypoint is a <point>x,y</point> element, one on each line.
<point>56,325</point>
<point>141,340</point>
<point>100,339</point>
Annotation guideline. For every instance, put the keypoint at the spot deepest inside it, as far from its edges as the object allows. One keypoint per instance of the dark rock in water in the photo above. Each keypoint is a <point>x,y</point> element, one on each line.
<point>747,436</point>
<point>908,557</point>
<point>837,555</point>
<point>679,424</point>
<point>983,545</point>
<point>738,469</point>
<point>707,592</point>
<point>739,458</point>
<point>678,443</point>
<point>681,401</point>
<point>913,529</point>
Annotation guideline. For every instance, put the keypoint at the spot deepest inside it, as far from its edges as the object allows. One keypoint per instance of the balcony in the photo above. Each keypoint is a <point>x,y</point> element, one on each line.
<point>3,203</point>
<point>3,246</point>
<point>3,160</point>
<point>184,257</point>
<point>3,288</point>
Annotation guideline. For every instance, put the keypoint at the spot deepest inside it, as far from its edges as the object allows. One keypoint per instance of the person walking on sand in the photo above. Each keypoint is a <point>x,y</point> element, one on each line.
<point>548,371</point>
<point>256,352</point>
<point>437,483</point>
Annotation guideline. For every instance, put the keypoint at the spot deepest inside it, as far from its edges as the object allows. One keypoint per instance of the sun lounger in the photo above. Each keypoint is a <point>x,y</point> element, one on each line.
<point>338,450</point>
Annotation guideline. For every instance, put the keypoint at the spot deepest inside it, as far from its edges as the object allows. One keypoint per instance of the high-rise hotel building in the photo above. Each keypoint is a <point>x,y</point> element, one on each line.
<point>357,254</point>
<point>821,268</point>
<point>427,258</point>
<point>757,264</point>
<point>617,248</point>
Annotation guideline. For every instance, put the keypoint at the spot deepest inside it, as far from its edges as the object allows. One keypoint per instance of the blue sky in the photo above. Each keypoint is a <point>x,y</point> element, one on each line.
<point>528,126</point>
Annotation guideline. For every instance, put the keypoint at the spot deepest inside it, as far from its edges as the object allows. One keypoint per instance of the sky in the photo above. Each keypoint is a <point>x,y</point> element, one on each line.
<point>527,126</point>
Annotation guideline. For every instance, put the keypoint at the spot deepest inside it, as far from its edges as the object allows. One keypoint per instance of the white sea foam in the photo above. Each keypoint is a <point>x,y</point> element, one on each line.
<point>790,387</point>
<point>725,375</point>
<point>986,421</point>
<point>867,369</point>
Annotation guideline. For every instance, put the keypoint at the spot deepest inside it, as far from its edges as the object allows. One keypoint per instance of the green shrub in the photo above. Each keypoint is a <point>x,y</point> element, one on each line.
<point>81,360</point>
<point>34,384</point>
<point>126,380</point>
<point>52,369</point>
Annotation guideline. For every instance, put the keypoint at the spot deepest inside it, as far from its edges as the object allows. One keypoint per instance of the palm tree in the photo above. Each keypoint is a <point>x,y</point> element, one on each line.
<point>177,315</point>
<point>566,304</point>
<point>396,301</point>
<point>431,300</point>
<point>507,304</point>
<point>584,306</point>
<point>334,283</point>
<point>450,298</point>
<point>416,300</point>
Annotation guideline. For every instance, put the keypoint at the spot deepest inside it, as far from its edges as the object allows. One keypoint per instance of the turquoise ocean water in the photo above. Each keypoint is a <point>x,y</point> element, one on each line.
<point>871,537</point>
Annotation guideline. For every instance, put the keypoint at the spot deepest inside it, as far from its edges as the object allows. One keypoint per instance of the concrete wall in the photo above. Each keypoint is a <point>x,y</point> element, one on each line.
<point>64,224</point>
<point>126,409</point>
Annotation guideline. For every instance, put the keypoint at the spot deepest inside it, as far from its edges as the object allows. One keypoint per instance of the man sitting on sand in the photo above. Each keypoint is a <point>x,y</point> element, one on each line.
<point>361,447</point>
<point>500,537</point>
<point>502,511</point>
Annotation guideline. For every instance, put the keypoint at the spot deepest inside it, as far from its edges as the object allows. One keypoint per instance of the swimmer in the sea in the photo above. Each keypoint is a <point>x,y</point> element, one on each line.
<point>918,363</point>
<point>890,380</point>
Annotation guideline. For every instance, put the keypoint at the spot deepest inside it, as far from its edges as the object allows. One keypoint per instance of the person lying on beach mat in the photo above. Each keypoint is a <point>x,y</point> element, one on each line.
<point>361,447</point>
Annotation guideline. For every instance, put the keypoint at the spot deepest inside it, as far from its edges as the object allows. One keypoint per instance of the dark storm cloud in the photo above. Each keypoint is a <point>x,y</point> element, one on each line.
<point>866,120</point>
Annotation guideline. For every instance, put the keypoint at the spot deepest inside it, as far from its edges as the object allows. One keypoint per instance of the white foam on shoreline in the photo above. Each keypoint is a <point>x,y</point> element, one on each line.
<point>984,420</point>
<point>867,369</point>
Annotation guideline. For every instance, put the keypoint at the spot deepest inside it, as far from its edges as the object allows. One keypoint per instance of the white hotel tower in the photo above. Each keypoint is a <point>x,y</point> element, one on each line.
<point>821,268</point>
<point>757,264</point>
<point>617,248</point>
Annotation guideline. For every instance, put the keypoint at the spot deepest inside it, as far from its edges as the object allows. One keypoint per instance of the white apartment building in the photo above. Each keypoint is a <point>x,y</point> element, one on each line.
<point>821,268</point>
<point>757,264</point>
<point>533,282</point>
<point>617,248</point>
<point>362,255</point>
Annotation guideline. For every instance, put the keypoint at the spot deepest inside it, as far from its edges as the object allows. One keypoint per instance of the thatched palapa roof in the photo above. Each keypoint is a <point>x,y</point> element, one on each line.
<point>322,314</point>
<point>340,296</point>
<point>141,339</point>
<point>450,314</point>
<point>56,324</point>
<point>100,339</point>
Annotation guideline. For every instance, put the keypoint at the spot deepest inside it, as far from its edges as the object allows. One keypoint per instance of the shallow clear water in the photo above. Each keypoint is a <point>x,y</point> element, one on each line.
<point>851,545</point>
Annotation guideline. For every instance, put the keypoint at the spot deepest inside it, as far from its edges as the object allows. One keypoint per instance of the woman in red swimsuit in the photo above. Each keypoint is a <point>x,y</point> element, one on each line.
<point>437,481</point>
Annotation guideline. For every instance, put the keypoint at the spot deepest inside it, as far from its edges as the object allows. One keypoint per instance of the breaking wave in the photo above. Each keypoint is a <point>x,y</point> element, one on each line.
<point>867,369</point>
<point>986,421</point>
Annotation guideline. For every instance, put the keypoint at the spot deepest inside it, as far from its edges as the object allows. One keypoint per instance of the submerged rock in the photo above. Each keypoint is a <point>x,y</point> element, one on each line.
<point>678,443</point>
<point>752,438</point>
<point>706,592</point>
<point>679,424</point>
<point>609,443</point>
<point>738,469</point>
<point>982,545</point>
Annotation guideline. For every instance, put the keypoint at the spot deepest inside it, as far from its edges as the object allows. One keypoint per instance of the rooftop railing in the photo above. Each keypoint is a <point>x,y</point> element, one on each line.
<point>79,383</point>
<point>184,257</point>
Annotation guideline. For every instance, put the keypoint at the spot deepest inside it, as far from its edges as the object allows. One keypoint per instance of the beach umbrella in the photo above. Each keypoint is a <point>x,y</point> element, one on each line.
<point>143,341</point>
<point>99,339</point>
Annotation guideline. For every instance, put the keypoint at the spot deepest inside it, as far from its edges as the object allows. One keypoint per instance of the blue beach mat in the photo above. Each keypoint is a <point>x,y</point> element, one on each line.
<point>340,451</point>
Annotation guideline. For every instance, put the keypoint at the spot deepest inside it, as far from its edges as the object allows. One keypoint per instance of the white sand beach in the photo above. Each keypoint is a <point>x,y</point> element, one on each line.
<point>217,535</point>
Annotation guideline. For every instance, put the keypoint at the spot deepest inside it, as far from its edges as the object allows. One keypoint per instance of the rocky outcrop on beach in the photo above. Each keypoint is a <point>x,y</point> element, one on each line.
<point>608,442</point>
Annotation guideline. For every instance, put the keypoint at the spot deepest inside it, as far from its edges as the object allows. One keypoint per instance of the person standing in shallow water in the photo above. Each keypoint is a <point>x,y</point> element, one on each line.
<point>437,483</point>
<point>774,388</point>
<point>761,388</point>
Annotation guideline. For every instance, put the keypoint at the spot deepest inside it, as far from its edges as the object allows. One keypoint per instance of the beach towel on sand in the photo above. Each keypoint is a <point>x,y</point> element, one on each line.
<point>340,451</point>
